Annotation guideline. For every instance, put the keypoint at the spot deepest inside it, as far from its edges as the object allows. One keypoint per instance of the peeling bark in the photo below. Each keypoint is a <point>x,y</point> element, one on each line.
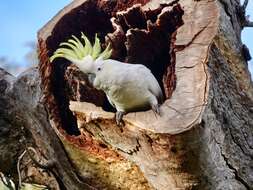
<point>204,138</point>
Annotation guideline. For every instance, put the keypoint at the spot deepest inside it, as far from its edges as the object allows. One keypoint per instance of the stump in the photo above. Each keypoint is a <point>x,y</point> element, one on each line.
<point>204,138</point>
<point>199,66</point>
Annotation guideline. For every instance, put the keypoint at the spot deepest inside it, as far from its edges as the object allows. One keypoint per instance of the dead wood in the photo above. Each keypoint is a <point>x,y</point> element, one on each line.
<point>203,140</point>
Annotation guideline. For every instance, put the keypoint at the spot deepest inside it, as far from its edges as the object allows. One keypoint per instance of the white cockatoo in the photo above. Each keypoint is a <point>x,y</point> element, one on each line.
<point>128,87</point>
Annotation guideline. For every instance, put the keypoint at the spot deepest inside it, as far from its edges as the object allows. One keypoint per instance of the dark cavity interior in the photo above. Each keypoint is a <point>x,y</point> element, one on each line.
<point>137,36</point>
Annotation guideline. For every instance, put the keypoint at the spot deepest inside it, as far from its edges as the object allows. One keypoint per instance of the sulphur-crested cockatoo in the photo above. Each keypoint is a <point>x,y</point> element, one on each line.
<point>128,87</point>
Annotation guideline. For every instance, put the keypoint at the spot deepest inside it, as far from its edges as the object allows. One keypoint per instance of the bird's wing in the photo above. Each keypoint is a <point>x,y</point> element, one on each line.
<point>140,76</point>
<point>152,84</point>
<point>157,92</point>
<point>111,102</point>
<point>155,89</point>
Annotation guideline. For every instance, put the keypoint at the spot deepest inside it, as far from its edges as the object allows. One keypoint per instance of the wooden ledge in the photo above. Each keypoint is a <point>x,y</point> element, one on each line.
<point>184,109</point>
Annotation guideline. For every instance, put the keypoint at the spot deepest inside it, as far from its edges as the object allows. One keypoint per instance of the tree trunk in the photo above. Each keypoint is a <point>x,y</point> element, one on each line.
<point>204,138</point>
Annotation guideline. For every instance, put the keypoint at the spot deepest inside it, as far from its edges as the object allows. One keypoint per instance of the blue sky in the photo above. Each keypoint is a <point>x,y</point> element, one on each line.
<point>20,21</point>
<point>247,35</point>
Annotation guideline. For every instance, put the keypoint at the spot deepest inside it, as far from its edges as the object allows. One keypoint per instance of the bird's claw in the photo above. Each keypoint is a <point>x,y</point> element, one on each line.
<point>156,109</point>
<point>119,116</point>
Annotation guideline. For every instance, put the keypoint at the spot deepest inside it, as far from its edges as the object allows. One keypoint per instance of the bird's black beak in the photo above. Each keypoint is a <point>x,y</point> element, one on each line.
<point>91,78</point>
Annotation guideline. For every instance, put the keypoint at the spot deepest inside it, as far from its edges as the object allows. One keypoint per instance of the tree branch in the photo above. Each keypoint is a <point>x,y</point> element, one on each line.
<point>47,165</point>
<point>245,4</point>
<point>248,23</point>
<point>18,169</point>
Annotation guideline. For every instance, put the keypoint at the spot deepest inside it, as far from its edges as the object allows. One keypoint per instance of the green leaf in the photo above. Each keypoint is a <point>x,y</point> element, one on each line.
<point>30,186</point>
<point>6,183</point>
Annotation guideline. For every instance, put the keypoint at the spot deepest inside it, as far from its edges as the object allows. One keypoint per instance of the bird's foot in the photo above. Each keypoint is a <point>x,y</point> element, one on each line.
<point>119,116</point>
<point>156,109</point>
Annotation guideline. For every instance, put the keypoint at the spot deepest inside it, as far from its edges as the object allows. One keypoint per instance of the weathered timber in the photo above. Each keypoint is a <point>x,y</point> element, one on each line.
<point>180,41</point>
<point>204,138</point>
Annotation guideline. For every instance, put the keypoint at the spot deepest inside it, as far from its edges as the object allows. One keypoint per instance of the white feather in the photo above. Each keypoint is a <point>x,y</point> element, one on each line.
<point>130,87</point>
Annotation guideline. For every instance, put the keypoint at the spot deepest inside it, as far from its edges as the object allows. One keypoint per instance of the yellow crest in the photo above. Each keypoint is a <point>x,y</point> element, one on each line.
<point>74,49</point>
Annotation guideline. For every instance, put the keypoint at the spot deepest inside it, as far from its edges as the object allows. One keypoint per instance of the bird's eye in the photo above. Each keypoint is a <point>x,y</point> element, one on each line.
<point>99,69</point>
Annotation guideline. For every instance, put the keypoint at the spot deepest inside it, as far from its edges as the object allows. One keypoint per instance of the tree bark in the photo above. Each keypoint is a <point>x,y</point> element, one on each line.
<point>204,138</point>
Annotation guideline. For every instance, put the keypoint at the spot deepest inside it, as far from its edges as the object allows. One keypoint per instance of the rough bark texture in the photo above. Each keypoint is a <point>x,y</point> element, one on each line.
<point>25,115</point>
<point>204,138</point>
